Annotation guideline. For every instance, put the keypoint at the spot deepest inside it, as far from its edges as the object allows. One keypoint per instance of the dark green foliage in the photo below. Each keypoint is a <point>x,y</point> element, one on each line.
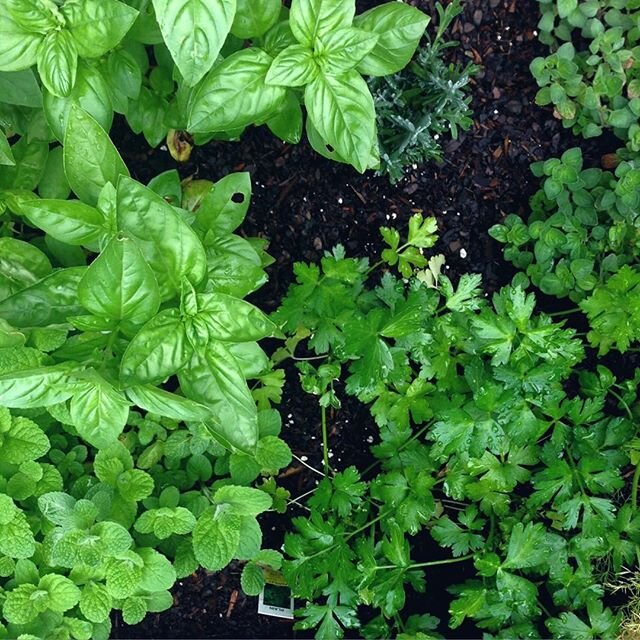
<point>481,444</point>
<point>423,104</point>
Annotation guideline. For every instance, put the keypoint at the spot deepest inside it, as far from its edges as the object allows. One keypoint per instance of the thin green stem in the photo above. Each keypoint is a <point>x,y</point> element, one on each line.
<point>432,563</point>
<point>634,489</point>
<point>622,402</point>
<point>566,312</point>
<point>325,441</point>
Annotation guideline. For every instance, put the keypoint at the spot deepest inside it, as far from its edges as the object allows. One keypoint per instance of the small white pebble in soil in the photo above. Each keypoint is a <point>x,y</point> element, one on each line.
<point>340,200</point>
<point>394,216</point>
<point>330,454</point>
<point>163,147</point>
<point>495,112</point>
<point>303,458</point>
<point>313,437</point>
<point>535,33</point>
<point>414,166</point>
<point>444,212</point>
<point>499,37</point>
<point>388,217</point>
<point>290,415</point>
<point>463,253</point>
<point>446,266</point>
<point>370,439</point>
<point>437,136</point>
<point>457,213</point>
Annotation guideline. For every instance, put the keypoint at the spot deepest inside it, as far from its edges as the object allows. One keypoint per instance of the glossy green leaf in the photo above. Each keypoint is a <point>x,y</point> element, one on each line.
<point>345,48</point>
<point>399,27</point>
<point>90,92</point>
<point>18,47</point>
<point>97,26</point>
<point>194,31</point>
<point>293,67</point>
<point>21,265</point>
<point>158,350</point>
<point>313,19</point>
<point>342,110</point>
<point>35,387</point>
<point>225,206</point>
<point>119,284</point>
<point>49,301</point>
<point>167,404</point>
<point>69,221</point>
<point>20,88</point>
<point>234,95</point>
<point>287,123</point>
<point>255,17</point>
<point>230,319</point>
<point>168,244</point>
<point>214,379</point>
<point>58,62</point>
<point>6,156</point>
<point>53,184</point>
<point>90,158</point>
<point>99,412</point>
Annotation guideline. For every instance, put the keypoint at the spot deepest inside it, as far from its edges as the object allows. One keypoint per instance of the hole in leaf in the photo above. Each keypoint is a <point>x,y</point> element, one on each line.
<point>330,149</point>
<point>238,198</point>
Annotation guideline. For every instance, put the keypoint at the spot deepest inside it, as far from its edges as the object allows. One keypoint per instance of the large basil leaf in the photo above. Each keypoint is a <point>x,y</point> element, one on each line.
<point>18,47</point>
<point>293,67</point>
<point>194,32</point>
<point>32,388</point>
<point>213,378</point>
<point>399,27</point>
<point>69,221</point>
<point>50,301</point>
<point>287,123</point>
<point>313,19</point>
<point>234,266</point>
<point>225,206</point>
<point>90,158</point>
<point>98,411</point>
<point>343,49</point>
<point>167,404</point>
<point>90,92</point>
<point>21,265</point>
<point>97,26</point>
<point>342,111</point>
<point>53,184</point>
<point>255,17</point>
<point>58,62</point>
<point>30,159</point>
<point>6,156</point>
<point>158,350</point>
<point>119,284</point>
<point>169,245</point>
<point>21,88</point>
<point>233,320</point>
<point>234,95</point>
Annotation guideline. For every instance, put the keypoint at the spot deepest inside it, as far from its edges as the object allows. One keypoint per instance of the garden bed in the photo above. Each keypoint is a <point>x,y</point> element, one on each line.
<point>304,204</point>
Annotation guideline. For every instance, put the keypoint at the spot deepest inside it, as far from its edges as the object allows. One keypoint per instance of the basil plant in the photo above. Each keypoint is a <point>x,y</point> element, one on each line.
<point>314,55</point>
<point>128,430</point>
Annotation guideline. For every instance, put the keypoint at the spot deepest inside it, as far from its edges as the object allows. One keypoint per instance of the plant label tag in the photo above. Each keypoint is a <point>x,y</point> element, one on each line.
<point>276,600</point>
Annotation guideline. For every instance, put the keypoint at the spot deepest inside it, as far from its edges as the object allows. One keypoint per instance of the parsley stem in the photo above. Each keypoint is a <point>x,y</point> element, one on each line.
<point>622,402</point>
<point>325,441</point>
<point>634,489</point>
<point>431,563</point>
<point>566,312</point>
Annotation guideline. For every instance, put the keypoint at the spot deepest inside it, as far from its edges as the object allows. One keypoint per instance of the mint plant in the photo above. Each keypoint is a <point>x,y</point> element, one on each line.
<point>481,446</point>
<point>129,432</point>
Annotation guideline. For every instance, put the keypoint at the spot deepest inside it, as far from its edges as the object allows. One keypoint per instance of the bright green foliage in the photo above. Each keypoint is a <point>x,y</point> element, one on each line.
<point>581,241</point>
<point>593,85</point>
<point>481,444</point>
<point>419,106</point>
<point>113,478</point>
<point>183,65</point>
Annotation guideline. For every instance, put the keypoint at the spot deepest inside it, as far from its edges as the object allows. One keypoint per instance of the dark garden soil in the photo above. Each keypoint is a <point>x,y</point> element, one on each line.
<point>304,204</point>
